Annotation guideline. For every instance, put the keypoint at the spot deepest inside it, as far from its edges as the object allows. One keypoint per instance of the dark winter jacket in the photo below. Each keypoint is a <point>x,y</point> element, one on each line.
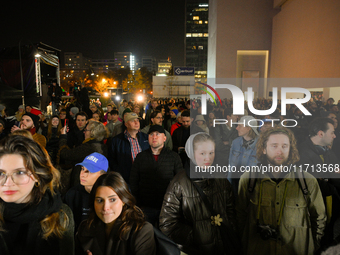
<point>52,143</point>
<point>187,221</point>
<point>77,198</point>
<point>23,233</point>
<point>311,161</point>
<point>93,239</point>
<point>150,179</point>
<point>56,90</point>
<point>120,158</point>
<point>68,158</point>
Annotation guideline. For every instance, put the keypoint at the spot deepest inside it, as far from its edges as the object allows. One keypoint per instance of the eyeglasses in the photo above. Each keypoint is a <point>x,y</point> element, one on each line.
<point>18,177</point>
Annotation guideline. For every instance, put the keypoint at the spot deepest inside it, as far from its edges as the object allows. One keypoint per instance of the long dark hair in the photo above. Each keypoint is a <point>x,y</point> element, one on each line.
<point>49,127</point>
<point>38,162</point>
<point>131,214</point>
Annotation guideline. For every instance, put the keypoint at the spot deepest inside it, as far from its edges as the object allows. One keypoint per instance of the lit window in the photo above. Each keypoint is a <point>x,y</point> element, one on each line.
<point>200,35</point>
<point>206,22</point>
<point>188,34</point>
<point>206,34</point>
<point>200,47</point>
<point>122,67</point>
<point>200,22</point>
<point>193,47</point>
<point>194,35</point>
<point>69,59</point>
<point>196,18</point>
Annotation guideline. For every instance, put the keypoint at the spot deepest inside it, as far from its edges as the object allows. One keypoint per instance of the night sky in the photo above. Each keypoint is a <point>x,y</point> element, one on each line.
<point>99,28</point>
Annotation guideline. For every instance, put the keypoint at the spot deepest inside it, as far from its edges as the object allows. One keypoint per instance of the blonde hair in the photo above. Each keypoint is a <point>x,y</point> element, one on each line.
<point>97,130</point>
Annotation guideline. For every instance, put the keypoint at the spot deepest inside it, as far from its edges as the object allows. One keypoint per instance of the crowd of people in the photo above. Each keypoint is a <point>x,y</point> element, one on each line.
<point>96,180</point>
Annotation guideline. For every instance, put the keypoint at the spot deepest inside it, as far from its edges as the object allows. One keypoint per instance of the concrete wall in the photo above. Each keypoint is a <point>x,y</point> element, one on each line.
<point>173,86</point>
<point>236,25</point>
<point>306,40</point>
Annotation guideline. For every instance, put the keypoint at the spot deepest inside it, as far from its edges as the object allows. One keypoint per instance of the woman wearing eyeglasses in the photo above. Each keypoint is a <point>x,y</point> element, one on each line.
<point>33,219</point>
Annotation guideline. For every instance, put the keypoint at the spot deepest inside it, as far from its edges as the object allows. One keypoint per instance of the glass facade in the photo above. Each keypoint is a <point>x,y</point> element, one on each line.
<point>196,37</point>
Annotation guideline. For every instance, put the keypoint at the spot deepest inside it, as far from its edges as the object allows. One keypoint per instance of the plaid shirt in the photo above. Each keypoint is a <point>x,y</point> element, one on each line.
<point>135,147</point>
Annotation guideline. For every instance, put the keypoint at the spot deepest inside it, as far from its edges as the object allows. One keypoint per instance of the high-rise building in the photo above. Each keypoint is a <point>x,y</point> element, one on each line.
<point>150,63</point>
<point>196,37</point>
<point>103,65</point>
<point>124,59</point>
<point>76,60</point>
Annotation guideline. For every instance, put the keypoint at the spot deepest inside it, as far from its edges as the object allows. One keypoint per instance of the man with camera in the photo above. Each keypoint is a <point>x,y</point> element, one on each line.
<point>280,209</point>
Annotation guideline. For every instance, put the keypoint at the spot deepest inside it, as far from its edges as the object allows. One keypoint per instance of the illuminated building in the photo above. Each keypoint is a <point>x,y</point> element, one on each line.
<point>196,37</point>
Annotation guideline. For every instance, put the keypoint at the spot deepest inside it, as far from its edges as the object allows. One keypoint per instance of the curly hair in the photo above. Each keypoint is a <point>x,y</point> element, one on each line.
<point>131,214</point>
<point>38,162</point>
<point>263,139</point>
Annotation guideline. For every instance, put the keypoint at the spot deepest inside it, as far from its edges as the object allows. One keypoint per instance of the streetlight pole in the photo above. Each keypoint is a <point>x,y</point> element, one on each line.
<point>21,76</point>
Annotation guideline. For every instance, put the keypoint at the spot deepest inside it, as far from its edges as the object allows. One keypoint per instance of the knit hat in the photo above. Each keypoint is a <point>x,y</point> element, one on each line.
<point>125,111</point>
<point>21,107</point>
<point>189,147</point>
<point>246,119</point>
<point>175,111</point>
<point>35,111</point>
<point>34,118</point>
<point>74,110</point>
<point>95,162</point>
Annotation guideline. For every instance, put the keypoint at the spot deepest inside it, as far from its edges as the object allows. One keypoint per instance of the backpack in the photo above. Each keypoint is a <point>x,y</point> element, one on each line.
<point>299,176</point>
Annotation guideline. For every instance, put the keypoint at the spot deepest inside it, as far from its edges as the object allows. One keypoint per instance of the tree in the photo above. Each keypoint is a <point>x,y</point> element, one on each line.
<point>140,80</point>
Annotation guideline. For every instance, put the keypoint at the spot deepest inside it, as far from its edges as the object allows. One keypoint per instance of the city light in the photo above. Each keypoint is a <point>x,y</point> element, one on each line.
<point>37,55</point>
<point>103,80</point>
<point>140,98</point>
<point>106,94</point>
<point>117,98</point>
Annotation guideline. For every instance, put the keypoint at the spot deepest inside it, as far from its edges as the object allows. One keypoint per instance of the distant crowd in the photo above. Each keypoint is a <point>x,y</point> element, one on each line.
<point>103,180</point>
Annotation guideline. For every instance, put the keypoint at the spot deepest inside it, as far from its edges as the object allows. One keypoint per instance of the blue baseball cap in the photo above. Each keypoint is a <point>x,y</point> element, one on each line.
<point>95,162</point>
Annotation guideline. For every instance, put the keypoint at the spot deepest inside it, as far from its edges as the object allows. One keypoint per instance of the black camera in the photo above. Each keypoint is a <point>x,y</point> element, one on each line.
<point>267,232</point>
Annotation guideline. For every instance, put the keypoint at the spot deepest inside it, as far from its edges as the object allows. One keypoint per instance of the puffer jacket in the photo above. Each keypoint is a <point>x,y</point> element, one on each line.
<point>187,221</point>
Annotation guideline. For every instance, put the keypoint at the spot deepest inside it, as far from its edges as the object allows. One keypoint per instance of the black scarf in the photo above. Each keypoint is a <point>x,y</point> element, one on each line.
<point>246,143</point>
<point>22,222</point>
